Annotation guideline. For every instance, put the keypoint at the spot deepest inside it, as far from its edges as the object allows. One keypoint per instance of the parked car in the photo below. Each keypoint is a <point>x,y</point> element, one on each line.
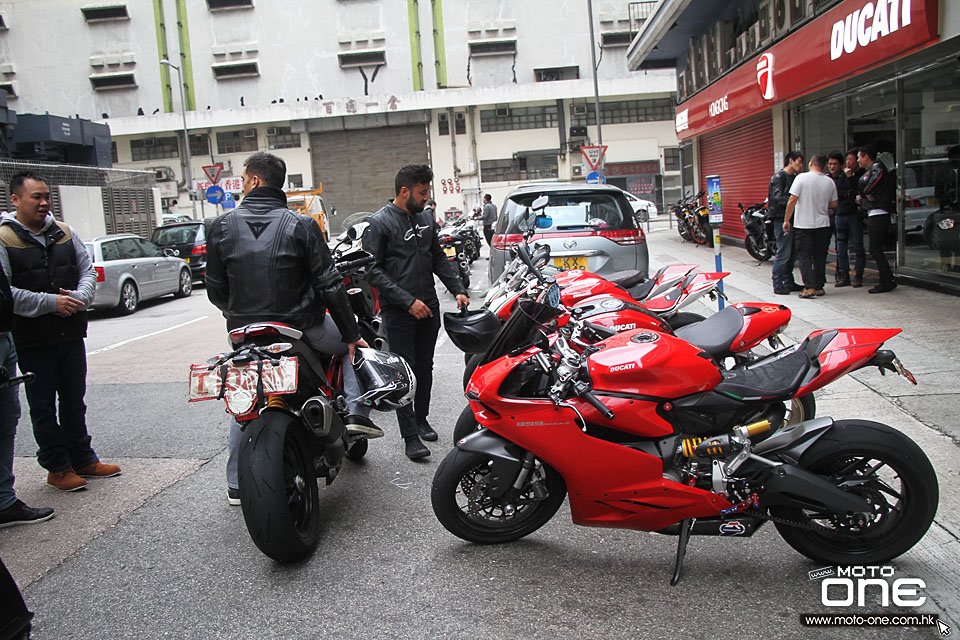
<point>643,209</point>
<point>592,227</point>
<point>173,218</point>
<point>188,240</point>
<point>130,269</point>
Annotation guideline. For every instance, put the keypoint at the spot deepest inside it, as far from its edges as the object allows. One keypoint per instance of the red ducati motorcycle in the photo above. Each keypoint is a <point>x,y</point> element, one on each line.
<point>643,431</point>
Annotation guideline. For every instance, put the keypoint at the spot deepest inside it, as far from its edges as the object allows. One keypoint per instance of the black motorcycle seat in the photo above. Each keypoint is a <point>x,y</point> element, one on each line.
<point>641,291</point>
<point>626,279</point>
<point>773,378</point>
<point>715,334</point>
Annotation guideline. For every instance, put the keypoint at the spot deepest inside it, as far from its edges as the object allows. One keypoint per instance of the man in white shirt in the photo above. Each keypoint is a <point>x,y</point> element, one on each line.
<point>813,197</point>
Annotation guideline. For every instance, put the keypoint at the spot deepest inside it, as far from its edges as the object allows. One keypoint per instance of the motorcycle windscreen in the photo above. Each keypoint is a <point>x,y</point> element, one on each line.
<point>521,329</point>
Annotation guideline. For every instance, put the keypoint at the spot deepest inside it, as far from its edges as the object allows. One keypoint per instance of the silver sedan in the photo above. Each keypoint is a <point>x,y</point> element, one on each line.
<point>130,269</point>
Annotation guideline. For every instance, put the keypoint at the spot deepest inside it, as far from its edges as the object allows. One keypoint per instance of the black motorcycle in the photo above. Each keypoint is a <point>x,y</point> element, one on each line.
<point>760,241</point>
<point>455,248</point>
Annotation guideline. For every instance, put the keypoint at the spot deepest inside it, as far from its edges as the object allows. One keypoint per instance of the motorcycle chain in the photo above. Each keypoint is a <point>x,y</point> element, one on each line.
<point>795,523</point>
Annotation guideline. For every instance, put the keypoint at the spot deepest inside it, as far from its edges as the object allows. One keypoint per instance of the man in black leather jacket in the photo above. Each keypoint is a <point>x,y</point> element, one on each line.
<point>268,263</point>
<point>403,238</point>
<point>778,193</point>
<point>877,198</point>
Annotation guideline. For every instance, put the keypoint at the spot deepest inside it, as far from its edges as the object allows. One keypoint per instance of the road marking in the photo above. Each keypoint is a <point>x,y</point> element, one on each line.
<point>146,335</point>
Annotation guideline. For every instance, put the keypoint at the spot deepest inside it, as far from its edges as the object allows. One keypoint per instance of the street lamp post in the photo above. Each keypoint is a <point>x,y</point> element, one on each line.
<point>188,178</point>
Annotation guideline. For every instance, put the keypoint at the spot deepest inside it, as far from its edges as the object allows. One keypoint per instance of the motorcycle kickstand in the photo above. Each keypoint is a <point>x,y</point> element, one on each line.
<point>682,541</point>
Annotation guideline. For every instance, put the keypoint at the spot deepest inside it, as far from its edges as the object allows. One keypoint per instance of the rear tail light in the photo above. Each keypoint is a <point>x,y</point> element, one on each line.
<point>504,241</point>
<point>101,276</point>
<point>625,237</point>
<point>199,250</point>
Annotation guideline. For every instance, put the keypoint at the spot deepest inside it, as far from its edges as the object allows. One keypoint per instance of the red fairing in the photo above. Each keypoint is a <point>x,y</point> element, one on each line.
<point>574,288</point>
<point>760,321</point>
<point>848,350</point>
<point>649,363</point>
<point>617,313</point>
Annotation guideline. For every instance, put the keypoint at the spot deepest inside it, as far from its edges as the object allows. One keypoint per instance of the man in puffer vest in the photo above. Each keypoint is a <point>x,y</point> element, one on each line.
<point>53,281</point>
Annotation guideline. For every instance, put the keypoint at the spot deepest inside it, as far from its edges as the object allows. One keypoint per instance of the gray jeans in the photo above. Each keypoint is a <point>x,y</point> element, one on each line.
<point>325,338</point>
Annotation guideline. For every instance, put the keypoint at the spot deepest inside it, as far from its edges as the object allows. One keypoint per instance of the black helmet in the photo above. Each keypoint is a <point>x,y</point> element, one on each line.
<point>386,380</point>
<point>471,331</point>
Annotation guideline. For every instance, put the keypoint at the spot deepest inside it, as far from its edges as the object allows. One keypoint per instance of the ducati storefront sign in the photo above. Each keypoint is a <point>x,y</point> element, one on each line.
<point>853,37</point>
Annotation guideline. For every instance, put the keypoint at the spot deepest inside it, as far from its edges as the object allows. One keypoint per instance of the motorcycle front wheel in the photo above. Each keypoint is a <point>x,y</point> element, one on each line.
<point>279,495</point>
<point>881,465</point>
<point>683,228</point>
<point>463,506</point>
<point>757,248</point>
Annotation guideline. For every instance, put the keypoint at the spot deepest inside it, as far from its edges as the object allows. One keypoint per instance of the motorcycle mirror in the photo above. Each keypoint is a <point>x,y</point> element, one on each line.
<point>355,232</point>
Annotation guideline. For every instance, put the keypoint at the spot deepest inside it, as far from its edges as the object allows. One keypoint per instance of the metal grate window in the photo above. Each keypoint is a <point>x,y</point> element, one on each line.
<point>493,47</point>
<point>228,70</point>
<point>362,58</point>
<point>529,167</point>
<point>199,144</point>
<point>517,118</point>
<point>214,5</point>
<point>615,39</point>
<point>624,111</point>
<point>113,151</point>
<point>671,159</point>
<point>237,141</point>
<point>443,124</point>
<point>108,81</point>
<point>556,73</point>
<point>282,138</point>
<point>154,149</point>
<point>105,13</point>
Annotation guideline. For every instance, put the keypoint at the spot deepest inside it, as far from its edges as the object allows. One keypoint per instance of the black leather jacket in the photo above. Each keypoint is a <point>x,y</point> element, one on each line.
<point>267,263</point>
<point>778,193</point>
<point>408,254</point>
<point>877,189</point>
<point>846,193</point>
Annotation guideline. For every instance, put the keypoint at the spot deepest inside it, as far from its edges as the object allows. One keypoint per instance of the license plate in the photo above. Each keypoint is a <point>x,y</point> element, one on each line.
<point>186,259</point>
<point>571,262</point>
<point>450,251</point>
<point>241,383</point>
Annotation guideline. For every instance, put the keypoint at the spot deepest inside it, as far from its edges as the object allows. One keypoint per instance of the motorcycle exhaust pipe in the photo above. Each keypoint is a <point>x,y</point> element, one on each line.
<point>325,423</point>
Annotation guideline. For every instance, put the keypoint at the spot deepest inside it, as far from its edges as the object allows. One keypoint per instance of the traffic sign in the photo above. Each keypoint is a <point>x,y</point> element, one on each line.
<point>214,194</point>
<point>213,171</point>
<point>593,155</point>
<point>594,177</point>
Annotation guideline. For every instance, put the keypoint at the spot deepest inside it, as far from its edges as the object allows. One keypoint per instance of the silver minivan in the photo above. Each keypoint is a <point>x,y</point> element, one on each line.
<point>592,227</point>
<point>130,269</point>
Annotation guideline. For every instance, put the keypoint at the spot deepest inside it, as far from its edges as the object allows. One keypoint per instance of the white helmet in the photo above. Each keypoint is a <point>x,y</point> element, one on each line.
<point>386,380</point>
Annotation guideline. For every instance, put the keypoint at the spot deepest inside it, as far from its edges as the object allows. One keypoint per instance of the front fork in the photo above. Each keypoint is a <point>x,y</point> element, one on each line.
<point>527,467</point>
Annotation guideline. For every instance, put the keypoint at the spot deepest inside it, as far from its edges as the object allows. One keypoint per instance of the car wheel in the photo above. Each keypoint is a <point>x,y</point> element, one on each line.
<point>129,298</point>
<point>186,284</point>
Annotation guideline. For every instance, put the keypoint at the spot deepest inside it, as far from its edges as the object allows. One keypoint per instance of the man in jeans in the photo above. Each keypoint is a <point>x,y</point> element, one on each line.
<point>877,191</point>
<point>812,196</point>
<point>778,194</point>
<point>12,510</point>
<point>847,223</point>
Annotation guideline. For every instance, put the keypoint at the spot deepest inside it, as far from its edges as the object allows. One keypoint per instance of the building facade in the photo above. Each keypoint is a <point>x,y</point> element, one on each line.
<point>759,78</point>
<point>490,94</point>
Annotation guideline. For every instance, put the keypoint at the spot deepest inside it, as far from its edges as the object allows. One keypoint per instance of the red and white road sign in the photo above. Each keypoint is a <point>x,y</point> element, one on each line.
<point>593,155</point>
<point>213,172</point>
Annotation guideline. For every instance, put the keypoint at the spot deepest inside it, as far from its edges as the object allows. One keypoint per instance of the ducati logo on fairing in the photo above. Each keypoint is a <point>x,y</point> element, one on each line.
<point>624,327</point>
<point>765,75</point>
<point>623,367</point>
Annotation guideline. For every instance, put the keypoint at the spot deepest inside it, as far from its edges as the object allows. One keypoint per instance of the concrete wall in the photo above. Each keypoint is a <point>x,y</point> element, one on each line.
<point>83,210</point>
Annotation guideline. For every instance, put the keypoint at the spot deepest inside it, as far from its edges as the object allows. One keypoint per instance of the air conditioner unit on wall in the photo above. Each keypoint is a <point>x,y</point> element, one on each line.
<point>272,131</point>
<point>723,35</point>
<point>800,10</point>
<point>579,109</point>
<point>781,23</point>
<point>709,45</point>
<point>753,38</point>
<point>765,21</point>
<point>743,51</point>
<point>502,112</point>
<point>682,85</point>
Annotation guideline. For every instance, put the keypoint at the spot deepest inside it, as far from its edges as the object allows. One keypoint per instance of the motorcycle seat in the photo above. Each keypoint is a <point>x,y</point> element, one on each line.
<point>773,378</point>
<point>626,279</point>
<point>642,290</point>
<point>715,334</point>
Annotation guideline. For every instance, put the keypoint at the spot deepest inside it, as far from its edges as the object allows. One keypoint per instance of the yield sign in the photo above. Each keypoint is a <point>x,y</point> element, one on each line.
<point>213,172</point>
<point>593,155</point>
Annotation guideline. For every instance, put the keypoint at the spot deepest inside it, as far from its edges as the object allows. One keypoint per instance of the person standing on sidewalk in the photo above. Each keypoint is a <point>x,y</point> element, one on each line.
<point>812,196</point>
<point>877,199</point>
<point>12,510</point>
<point>778,194</point>
<point>847,224</point>
<point>404,242</point>
<point>489,218</point>
<point>53,281</point>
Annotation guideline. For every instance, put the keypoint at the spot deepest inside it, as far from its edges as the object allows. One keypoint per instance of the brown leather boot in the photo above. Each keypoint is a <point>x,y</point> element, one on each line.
<point>843,280</point>
<point>99,470</point>
<point>857,281</point>
<point>66,480</point>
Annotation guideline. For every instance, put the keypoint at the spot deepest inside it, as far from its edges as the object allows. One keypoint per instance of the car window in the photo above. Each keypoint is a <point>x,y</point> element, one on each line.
<point>89,248</point>
<point>185,234</point>
<point>110,250</point>
<point>149,249</point>
<point>129,249</point>
<point>570,211</point>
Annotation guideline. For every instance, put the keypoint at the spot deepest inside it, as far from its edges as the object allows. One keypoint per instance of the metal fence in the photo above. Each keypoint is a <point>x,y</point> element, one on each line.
<point>639,12</point>
<point>127,195</point>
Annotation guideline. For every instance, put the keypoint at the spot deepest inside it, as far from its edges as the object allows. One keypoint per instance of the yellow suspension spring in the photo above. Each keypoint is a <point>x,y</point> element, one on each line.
<point>689,445</point>
<point>275,402</point>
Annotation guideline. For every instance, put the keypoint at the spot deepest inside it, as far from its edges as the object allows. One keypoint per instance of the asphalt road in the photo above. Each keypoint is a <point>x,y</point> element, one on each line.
<point>157,552</point>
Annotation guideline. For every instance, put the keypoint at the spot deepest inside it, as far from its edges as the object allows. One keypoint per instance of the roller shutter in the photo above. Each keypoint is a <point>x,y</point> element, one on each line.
<point>357,167</point>
<point>742,155</point>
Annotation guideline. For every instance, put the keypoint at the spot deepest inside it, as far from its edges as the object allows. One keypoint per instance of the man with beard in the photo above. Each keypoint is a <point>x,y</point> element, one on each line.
<point>403,239</point>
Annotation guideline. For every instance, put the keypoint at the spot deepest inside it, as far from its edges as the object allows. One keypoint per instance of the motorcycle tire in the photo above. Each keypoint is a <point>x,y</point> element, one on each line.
<point>757,249</point>
<point>466,424</point>
<point>470,364</point>
<point>903,492</point>
<point>683,228</point>
<point>279,494</point>
<point>461,506</point>
<point>682,319</point>
<point>701,232</point>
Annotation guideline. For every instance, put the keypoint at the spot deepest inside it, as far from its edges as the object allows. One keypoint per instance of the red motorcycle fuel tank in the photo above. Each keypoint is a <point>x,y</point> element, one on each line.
<point>651,363</point>
<point>618,314</point>
<point>575,285</point>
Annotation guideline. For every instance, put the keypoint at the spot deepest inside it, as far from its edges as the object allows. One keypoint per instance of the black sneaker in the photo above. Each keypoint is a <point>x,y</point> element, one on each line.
<point>795,287</point>
<point>782,291</point>
<point>362,426</point>
<point>883,287</point>
<point>415,449</point>
<point>426,431</point>
<point>20,513</point>
<point>233,497</point>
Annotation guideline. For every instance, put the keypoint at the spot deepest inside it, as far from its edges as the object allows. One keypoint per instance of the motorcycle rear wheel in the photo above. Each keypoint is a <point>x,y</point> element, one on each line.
<point>463,508</point>
<point>757,249</point>
<point>901,485</point>
<point>683,228</point>
<point>279,494</point>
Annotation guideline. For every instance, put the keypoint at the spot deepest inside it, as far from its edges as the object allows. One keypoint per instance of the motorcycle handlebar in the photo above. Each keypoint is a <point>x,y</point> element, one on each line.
<point>599,406</point>
<point>350,265</point>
